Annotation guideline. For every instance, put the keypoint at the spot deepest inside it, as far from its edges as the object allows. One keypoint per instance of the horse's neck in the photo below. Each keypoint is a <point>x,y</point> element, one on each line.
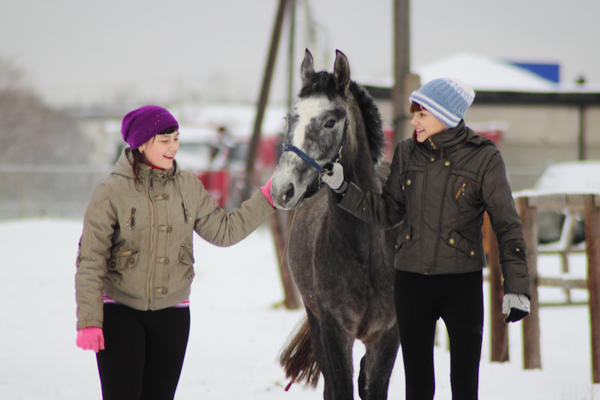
<point>359,168</point>
<point>362,173</point>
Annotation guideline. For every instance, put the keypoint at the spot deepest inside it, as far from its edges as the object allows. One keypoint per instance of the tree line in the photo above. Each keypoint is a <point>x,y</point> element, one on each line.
<point>31,132</point>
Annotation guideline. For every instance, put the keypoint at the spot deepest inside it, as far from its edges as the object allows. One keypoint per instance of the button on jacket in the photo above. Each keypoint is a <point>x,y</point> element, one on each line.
<point>439,190</point>
<point>137,243</point>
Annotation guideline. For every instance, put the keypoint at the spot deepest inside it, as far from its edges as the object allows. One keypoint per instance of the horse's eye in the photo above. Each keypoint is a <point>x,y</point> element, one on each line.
<point>330,124</point>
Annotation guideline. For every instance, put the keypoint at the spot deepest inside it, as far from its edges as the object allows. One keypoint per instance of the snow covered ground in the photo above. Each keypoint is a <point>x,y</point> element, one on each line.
<point>237,330</point>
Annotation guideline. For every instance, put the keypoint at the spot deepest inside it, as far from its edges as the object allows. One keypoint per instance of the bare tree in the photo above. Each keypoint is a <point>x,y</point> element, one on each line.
<point>32,132</point>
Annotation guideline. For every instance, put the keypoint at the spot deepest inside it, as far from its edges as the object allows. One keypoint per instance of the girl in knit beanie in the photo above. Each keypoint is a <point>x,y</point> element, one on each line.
<point>135,263</point>
<point>441,183</point>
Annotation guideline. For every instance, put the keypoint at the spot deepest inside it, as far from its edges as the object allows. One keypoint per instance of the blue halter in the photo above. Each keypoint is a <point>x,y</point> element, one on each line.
<point>306,157</point>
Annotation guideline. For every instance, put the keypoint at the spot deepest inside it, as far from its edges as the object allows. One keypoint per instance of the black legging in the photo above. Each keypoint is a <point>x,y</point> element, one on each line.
<point>144,352</point>
<point>458,300</point>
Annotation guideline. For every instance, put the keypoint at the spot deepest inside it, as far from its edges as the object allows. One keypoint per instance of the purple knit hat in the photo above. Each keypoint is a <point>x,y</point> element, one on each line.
<point>142,124</point>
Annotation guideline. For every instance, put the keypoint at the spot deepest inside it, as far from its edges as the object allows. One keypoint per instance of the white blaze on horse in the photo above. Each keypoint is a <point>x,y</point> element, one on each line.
<point>342,266</point>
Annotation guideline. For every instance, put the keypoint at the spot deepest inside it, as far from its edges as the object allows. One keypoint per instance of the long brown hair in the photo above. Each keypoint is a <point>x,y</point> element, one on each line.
<point>138,157</point>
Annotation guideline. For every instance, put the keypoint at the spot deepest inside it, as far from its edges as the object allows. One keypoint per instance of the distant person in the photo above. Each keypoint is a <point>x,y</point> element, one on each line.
<point>221,149</point>
<point>442,180</point>
<point>135,259</point>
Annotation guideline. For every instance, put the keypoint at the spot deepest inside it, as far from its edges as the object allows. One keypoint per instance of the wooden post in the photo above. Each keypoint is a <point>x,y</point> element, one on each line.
<point>291,50</point>
<point>262,101</point>
<point>279,220</point>
<point>291,299</point>
<point>499,328</point>
<point>592,239</point>
<point>581,142</point>
<point>532,357</point>
<point>401,66</point>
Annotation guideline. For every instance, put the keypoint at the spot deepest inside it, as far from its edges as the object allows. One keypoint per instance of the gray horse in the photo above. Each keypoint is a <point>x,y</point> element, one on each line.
<point>343,266</point>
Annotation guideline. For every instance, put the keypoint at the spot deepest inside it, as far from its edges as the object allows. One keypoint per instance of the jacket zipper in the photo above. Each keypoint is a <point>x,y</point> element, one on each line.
<point>423,205</point>
<point>131,220</point>
<point>151,260</point>
<point>185,213</point>
<point>461,190</point>
<point>437,244</point>
<point>432,144</point>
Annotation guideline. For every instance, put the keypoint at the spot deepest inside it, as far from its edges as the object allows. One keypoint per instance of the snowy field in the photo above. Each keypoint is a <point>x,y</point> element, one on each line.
<point>237,329</point>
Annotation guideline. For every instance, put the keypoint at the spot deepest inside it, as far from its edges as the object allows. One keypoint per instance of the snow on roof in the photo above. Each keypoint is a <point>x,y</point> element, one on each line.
<point>238,119</point>
<point>485,73</point>
<point>576,177</point>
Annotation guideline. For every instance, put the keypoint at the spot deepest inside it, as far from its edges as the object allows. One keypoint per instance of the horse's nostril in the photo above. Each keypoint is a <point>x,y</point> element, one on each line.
<point>289,193</point>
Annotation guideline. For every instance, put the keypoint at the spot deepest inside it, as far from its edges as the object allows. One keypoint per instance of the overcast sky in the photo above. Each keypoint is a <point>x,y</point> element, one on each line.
<point>89,51</point>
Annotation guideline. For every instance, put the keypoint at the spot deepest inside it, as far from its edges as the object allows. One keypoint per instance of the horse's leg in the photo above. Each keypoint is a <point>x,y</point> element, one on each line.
<point>337,346</point>
<point>362,380</point>
<point>377,364</point>
<point>319,352</point>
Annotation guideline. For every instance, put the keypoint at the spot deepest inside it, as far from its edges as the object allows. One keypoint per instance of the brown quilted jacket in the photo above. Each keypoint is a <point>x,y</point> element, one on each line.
<point>439,190</point>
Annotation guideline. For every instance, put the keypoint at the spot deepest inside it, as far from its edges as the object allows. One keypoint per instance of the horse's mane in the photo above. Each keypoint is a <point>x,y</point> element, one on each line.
<point>324,83</point>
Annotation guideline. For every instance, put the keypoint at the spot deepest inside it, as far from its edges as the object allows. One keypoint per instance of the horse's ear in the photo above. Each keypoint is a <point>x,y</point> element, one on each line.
<point>341,71</point>
<point>307,69</point>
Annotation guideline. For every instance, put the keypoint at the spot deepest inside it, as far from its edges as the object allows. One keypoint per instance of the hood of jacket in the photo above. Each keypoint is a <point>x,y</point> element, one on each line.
<point>452,138</point>
<point>124,167</point>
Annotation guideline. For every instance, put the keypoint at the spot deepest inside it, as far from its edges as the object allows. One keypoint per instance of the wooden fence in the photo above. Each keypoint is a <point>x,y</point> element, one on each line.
<point>528,206</point>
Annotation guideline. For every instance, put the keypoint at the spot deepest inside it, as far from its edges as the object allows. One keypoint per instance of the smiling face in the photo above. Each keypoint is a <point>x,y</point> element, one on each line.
<point>426,124</point>
<point>160,151</point>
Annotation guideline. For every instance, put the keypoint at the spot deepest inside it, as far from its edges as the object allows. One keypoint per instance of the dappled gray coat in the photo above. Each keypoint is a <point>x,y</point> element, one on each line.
<point>440,190</point>
<point>137,243</point>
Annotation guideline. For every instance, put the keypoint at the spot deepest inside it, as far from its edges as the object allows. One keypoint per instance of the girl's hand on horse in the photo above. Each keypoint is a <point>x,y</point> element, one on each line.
<point>335,178</point>
<point>266,190</point>
<point>90,338</point>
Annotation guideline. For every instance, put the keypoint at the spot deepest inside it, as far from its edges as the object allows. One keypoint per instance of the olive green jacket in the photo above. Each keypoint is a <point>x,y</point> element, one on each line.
<point>439,190</point>
<point>137,243</point>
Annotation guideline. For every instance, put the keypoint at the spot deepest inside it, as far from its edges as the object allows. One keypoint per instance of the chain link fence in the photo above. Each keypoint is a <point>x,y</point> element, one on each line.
<point>31,191</point>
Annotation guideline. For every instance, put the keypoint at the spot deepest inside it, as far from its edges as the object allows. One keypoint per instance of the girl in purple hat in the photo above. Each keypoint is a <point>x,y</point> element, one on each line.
<point>441,182</point>
<point>135,259</point>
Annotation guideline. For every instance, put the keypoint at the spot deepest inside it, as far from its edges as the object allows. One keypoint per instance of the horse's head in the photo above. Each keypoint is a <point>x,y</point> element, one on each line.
<point>317,128</point>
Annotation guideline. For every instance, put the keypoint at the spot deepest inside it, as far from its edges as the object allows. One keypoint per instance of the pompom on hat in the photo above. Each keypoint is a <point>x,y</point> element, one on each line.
<point>142,124</point>
<point>446,98</point>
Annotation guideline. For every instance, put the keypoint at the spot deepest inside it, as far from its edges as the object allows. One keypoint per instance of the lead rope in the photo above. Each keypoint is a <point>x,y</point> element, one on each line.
<point>289,385</point>
<point>285,248</point>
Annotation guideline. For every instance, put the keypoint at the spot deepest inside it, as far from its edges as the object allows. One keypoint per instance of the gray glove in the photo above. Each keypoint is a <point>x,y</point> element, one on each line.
<point>515,306</point>
<point>335,178</point>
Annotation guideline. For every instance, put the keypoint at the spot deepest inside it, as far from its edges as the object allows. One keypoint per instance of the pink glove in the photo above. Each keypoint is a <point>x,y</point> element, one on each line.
<point>90,338</point>
<point>266,191</point>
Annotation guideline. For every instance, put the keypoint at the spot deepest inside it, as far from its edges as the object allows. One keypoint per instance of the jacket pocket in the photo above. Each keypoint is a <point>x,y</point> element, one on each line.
<point>123,260</point>
<point>404,237</point>
<point>461,243</point>
<point>186,255</point>
<point>130,223</point>
<point>134,218</point>
<point>410,179</point>
<point>182,274</point>
<point>409,183</point>
<point>461,190</point>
